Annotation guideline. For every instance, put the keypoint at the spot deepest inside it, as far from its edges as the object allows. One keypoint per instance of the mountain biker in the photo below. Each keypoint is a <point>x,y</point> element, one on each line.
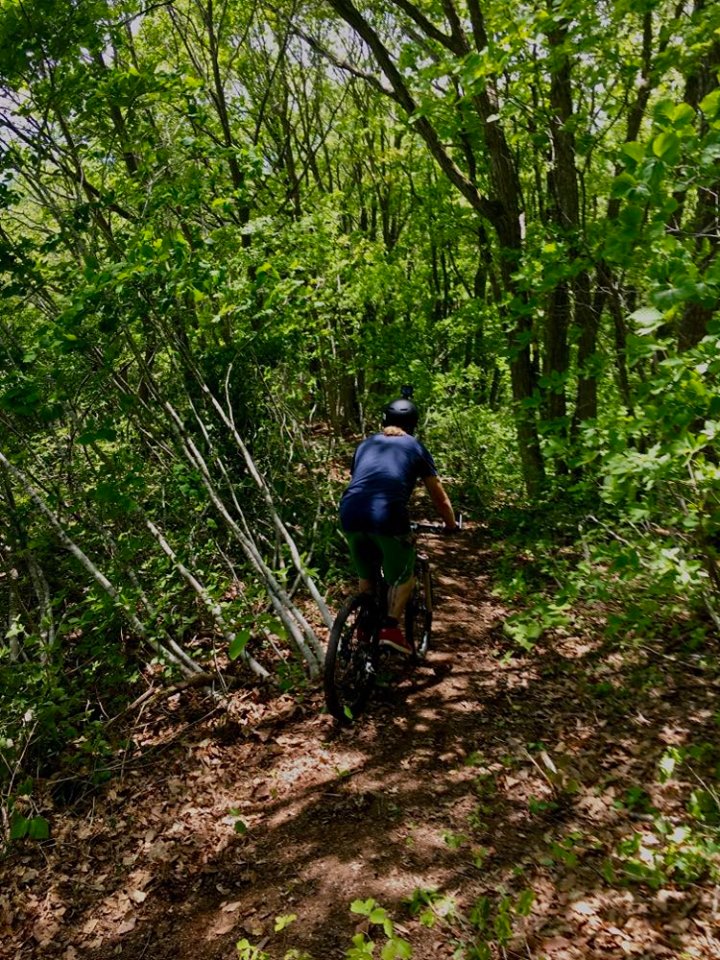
<point>374,509</point>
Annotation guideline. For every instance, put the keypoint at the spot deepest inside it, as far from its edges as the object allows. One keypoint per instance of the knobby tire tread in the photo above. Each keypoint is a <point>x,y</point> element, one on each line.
<point>418,620</point>
<point>359,658</point>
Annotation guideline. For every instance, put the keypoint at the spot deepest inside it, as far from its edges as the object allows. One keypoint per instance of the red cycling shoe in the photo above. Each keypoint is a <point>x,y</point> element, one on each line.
<point>394,638</point>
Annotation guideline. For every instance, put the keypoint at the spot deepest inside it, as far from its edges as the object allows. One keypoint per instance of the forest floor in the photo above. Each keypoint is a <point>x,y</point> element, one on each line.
<point>472,779</point>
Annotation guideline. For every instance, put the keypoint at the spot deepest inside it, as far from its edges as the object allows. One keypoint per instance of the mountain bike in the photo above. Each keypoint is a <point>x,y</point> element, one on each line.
<point>354,653</point>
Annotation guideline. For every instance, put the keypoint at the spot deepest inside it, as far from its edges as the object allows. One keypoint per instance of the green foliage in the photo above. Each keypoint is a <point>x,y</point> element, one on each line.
<point>525,629</point>
<point>474,445</point>
<point>431,906</point>
<point>649,546</point>
<point>363,946</point>
<point>294,249</point>
<point>454,840</point>
<point>665,492</point>
<point>536,806</point>
<point>34,828</point>
<point>393,948</point>
<point>292,678</point>
<point>490,924</point>
<point>667,854</point>
<point>238,824</point>
<point>42,715</point>
<point>677,851</point>
<point>497,924</point>
<point>246,951</point>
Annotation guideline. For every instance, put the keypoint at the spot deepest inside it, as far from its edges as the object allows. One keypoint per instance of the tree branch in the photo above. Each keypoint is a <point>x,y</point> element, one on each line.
<point>478,24</point>
<point>345,65</point>
<point>429,29</point>
<point>353,18</point>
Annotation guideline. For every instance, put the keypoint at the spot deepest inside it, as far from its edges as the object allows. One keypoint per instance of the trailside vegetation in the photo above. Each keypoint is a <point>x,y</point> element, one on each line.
<point>230,230</point>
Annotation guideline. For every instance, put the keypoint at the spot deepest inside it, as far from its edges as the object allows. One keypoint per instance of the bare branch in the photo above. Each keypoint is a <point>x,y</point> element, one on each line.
<point>427,131</point>
<point>452,43</point>
<point>345,65</point>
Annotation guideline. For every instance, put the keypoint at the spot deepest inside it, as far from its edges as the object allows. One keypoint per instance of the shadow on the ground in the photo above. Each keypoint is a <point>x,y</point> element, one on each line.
<point>471,774</point>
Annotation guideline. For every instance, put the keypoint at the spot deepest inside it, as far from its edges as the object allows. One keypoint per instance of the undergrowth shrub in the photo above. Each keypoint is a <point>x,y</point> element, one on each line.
<point>640,533</point>
<point>476,447</point>
<point>661,479</point>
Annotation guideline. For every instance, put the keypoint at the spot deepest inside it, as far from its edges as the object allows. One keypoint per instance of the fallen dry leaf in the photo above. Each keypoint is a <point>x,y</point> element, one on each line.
<point>221,926</point>
<point>231,907</point>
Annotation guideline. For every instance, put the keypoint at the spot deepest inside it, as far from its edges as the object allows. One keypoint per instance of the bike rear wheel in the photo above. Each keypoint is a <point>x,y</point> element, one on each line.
<point>351,658</point>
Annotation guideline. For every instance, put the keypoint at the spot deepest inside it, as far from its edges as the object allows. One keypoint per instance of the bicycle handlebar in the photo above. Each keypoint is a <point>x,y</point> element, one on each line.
<point>437,527</point>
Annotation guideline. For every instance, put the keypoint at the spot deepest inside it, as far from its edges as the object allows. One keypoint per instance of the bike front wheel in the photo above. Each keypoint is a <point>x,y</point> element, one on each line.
<point>351,658</point>
<point>418,613</point>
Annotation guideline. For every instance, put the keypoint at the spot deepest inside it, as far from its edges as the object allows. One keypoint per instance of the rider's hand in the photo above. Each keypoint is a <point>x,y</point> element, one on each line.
<point>454,526</point>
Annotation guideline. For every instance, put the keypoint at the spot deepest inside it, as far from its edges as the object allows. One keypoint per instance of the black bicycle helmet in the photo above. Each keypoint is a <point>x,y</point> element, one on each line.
<point>402,412</point>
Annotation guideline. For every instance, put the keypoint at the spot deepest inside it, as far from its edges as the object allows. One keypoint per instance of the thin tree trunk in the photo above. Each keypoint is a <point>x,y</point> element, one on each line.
<point>211,604</point>
<point>297,626</point>
<point>97,575</point>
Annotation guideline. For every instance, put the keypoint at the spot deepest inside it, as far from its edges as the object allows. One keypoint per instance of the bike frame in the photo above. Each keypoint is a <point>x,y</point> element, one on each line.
<point>353,649</point>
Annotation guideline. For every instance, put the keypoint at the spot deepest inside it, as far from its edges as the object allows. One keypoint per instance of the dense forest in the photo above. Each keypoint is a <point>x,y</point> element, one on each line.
<point>229,231</point>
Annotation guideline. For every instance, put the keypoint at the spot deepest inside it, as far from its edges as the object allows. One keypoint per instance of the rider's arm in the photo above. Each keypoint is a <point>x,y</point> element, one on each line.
<point>441,501</point>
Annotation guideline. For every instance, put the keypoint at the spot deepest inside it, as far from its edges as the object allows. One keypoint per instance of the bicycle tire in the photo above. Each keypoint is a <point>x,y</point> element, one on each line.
<point>351,659</point>
<point>418,616</point>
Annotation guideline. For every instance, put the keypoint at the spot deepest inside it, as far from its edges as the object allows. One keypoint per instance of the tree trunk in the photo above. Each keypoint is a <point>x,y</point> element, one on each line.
<point>557,353</point>
<point>587,319</point>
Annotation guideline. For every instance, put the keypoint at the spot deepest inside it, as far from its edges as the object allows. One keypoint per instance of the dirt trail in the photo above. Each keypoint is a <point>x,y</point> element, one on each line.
<point>466,776</point>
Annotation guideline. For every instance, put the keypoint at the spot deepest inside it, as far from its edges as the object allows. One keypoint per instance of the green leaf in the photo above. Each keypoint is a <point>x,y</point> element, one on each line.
<point>666,145</point>
<point>682,114</point>
<point>475,67</point>
<point>480,913</point>
<point>363,907</point>
<point>631,218</point>
<point>274,626</point>
<point>623,184</point>
<point>25,788</point>
<point>19,826</point>
<point>238,644</point>
<point>525,902</point>
<point>710,105</point>
<point>648,319</point>
<point>480,951</point>
<point>634,150</point>
<point>396,949</point>
<point>39,829</point>
<point>362,948</point>
<point>502,926</point>
<point>704,806</point>
<point>240,827</point>
<point>284,920</point>
<point>92,436</point>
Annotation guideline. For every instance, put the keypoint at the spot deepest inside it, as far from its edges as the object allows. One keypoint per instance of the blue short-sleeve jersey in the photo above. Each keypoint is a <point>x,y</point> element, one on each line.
<point>384,472</point>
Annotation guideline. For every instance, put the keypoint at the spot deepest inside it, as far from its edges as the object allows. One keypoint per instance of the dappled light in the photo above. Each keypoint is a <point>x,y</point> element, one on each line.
<point>287,290</point>
<point>508,773</point>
